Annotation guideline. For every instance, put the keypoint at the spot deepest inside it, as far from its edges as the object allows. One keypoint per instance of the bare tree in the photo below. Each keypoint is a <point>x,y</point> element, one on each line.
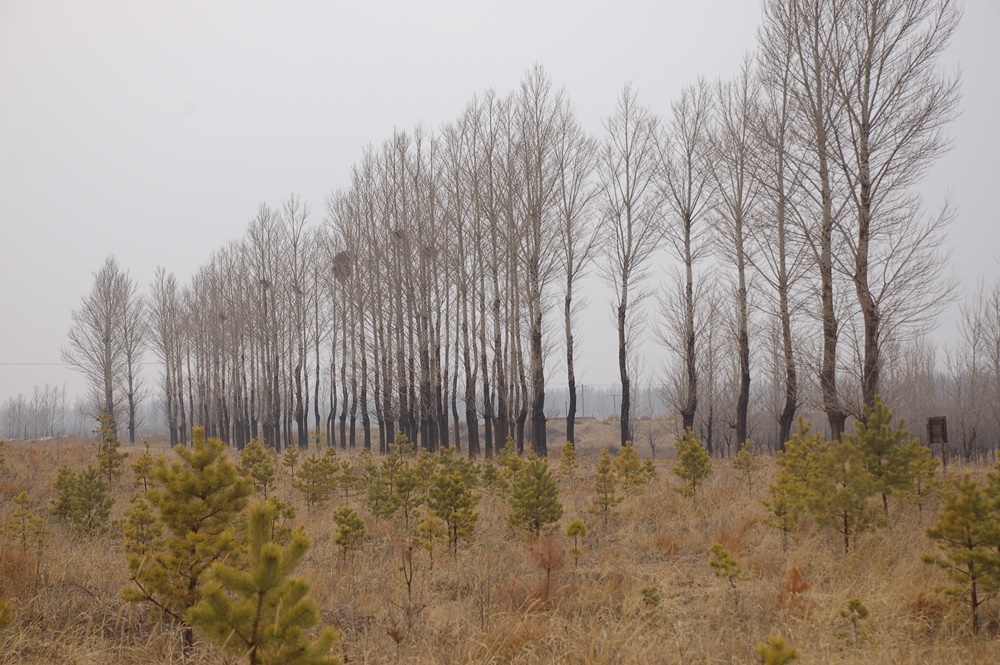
<point>134,338</point>
<point>631,211</point>
<point>967,380</point>
<point>539,116</point>
<point>688,188</point>
<point>737,193</point>
<point>96,339</point>
<point>803,32</point>
<point>780,257</point>
<point>575,158</point>
<point>896,104</point>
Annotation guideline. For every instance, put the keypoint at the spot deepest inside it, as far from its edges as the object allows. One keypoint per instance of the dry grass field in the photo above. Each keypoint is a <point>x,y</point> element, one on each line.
<point>643,591</point>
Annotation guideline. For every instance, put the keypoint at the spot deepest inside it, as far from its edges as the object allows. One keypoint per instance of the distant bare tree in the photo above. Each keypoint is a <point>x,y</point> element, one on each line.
<point>135,337</point>
<point>631,211</point>
<point>97,340</point>
<point>780,257</point>
<point>804,33</point>
<point>575,157</point>
<point>896,103</point>
<point>685,150</point>
<point>967,375</point>
<point>737,196</point>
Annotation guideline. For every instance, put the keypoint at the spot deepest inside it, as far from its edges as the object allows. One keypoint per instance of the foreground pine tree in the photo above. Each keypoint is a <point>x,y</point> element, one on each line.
<point>259,465</point>
<point>889,451</point>
<point>632,476</point>
<point>198,501</point>
<point>605,487</point>
<point>842,492</point>
<point>567,460</point>
<point>110,458</point>
<point>263,613</point>
<point>316,479</point>
<point>453,502</point>
<point>534,498</point>
<point>694,465</point>
<point>967,534</point>
<point>82,499</point>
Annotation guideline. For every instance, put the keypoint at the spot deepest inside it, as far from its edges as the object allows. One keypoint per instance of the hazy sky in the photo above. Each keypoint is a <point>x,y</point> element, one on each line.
<point>151,130</point>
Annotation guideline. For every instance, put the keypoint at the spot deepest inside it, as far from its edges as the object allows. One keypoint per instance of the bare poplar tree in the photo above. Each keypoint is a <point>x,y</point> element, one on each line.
<point>804,31</point>
<point>780,258</point>
<point>967,375</point>
<point>135,336</point>
<point>737,192</point>
<point>896,104</point>
<point>631,211</point>
<point>96,340</point>
<point>688,186</point>
<point>539,118</point>
<point>575,157</point>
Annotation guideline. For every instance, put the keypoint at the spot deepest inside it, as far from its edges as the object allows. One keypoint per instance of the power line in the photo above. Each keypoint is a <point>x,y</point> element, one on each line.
<point>61,364</point>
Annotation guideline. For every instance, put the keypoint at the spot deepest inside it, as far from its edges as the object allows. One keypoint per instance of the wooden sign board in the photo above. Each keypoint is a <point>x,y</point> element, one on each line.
<point>937,430</point>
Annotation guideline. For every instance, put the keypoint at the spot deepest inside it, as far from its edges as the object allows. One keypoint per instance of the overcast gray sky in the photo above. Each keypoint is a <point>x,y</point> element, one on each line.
<point>151,130</point>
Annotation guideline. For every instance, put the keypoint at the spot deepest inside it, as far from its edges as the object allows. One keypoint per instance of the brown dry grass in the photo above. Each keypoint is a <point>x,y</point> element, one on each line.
<point>495,603</point>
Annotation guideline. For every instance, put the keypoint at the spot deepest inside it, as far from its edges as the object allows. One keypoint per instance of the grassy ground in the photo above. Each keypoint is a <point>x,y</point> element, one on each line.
<point>643,591</point>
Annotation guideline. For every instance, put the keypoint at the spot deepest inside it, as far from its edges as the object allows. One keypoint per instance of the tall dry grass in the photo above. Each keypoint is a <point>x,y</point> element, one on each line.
<point>507,598</point>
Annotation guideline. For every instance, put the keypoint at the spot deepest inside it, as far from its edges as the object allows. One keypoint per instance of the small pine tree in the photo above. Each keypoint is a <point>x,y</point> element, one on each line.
<point>776,651</point>
<point>142,468</point>
<point>262,613</point>
<point>491,479</point>
<point>19,528</point>
<point>534,498</point>
<point>142,530</point>
<point>281,522</point>
<point>628,467</point>
<point>449,463</point>
<point>290,460</point>
<point>316,480</point>
<point>350,530</point>
<point>567,460</point>
<point>649,470</point>
<point>967,533</point>
<point>379,493</point>
<point>651,597</point>
<point>408,492</point>
<point>606,487</point>
<point>6,614</point>
<point>199,500</point>
<point>82,499</point>
<point>841,493</point>
<point>429,533</point>
<point>798,468</point>
<point>509,463</point>
<point>345,476</point>
<point>392,463</point>
<point>923,467</point>
<point>694,465</point>
<point>258,465</point>
<point>746,461</point>
<point>887,452</point>
<point>28,530</point>
<point>110,458</point>
<point>723,564</point>
<point>576,530</point>
<point>854,612</point>
<point>784,505</point>
<point>454,502</point>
